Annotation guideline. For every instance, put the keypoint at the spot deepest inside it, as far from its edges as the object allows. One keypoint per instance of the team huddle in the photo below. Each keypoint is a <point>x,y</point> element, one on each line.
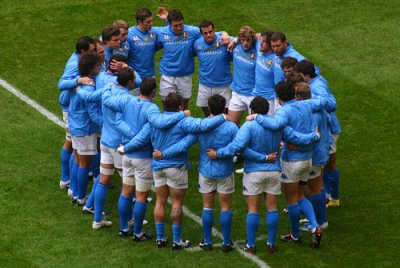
<point>288,140</point>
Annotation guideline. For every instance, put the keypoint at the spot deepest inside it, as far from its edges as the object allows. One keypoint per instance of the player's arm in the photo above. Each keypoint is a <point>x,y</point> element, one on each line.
<point>271,123</point>
<point>115,103</point>
<point>92,96</point>
<point>240,142</point>
<point>196,125</point>
<point>294,137</point>
<point>161,120</point>
<point>95,114</point>
<point>181,147</point>
<point>255,156</point>
<point>140,140</point>
<point>123,128</point>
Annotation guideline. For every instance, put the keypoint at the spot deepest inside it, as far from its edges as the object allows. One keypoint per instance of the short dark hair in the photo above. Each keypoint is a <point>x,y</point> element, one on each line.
<point>268,34</point>
<point>294,78</point>
<point>108,32</point>
<point>216,104</point>
<point>205,24</point>
<point>83,43</point>
<point>285,91</point>
<point>278,36</point>
<point>148,85</point>
<point>125,75</point>
<point>88,62</point>
<point>172,102</point>
<point>305,67</point>
<point>302,89</point>
<point>117,57</point>
<point>175,14</point>
<point>142,14</point>
<point>288,62</point>
<point>259,105</point>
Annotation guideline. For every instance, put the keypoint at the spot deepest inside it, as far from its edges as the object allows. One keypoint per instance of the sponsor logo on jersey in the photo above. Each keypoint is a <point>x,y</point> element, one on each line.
<point>152,35</point>
<point>166,37</point>
<point>135,38</point>
<point>185,34</point>
<point>270,62</point>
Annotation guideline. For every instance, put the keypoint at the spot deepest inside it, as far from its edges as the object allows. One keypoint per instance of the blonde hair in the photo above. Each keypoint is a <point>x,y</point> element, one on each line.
<point>247,32</point>
<point>120,24</point>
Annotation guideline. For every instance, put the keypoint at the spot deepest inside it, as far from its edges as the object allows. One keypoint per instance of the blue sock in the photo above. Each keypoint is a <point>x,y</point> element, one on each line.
<point>95,166</point>
<point>74,180</point>
<point>307,208</point>
<point>272,225</point>
<point>176,232</point>
<point>294,217</point>
<point>252,222</point>
<point>333,177</point>
<point>160,230</point>
<point>71,162</point>
<point>318,202</point>
<point>327,183</point>
<point>124,206</point>
<point>99,200</point>
<point>83,178</point>
<point>226,225</point>
<point>207,218</point>
<point>138,213</point>
<point>90,201</point>
<point>324,214</point>
<point>65,157</point>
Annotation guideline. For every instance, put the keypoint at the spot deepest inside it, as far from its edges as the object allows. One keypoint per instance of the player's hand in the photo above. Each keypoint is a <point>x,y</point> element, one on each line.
<point>225,38</point>
<point>251,117</point>
<point>157,155</point>
<point>120,150</point>
<point>85,81</point>
<point>318,133</point>
<point>212,154</point>
<point>231,45</point>
<point>117,65</point>
<point>272,157</point>
<point>187,112</point>
<point>291,147</point>
<point>162,13</point>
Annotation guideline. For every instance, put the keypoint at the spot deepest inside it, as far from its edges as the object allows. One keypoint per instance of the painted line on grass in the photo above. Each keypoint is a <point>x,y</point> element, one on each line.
<point>32,103</point>
<point>49,115</point>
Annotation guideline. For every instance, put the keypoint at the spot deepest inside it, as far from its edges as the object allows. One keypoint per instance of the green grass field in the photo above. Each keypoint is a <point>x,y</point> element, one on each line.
<point>356,46</point>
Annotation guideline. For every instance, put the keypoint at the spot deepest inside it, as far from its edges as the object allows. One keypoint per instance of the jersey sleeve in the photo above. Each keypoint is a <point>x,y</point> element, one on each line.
<point>273,123</point>
<point>253,155</point>
<point>181,147</point>
<point>160,120</point>
<point>196,125</point>
<point>240,142</point>
<point>294,137</point>
<point>140,140</point>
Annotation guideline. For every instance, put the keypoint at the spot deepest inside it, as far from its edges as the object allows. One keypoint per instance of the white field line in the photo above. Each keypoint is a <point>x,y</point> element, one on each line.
<point>49,115</point>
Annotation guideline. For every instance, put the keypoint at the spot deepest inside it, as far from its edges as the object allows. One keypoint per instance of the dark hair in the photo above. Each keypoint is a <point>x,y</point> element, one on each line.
<point>205,24</point>
<point>172,102</point>
<point>268,34</point>
<point>108,32</point>
<point>305,67</point>
<point>148,85</point>
<point>293,78</point>
<point>142,14</point>
<point>216,104</point>
<point>83,43</point>
<point>285,91</point>
<point>278,36</point>
<point>302,89</point>
<point>288,62</point>
<point>125,75</point>
<point>117,57</point>
<point>175,14</point>
<point>88,62</point>
<point>259,105</point>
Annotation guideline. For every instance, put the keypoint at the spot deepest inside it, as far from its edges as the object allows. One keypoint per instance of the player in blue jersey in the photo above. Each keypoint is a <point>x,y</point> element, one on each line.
<point>111,41</point>
<point>296,164</point>
<point>170,164</point>
<point>283,49</point>
<point>123,37</point>
<point>319,159</point>
<point>319,88</point>
<point>68,81</point>
<point>287,65</point>
<point>214,66</point>
<point>259,145</point>
<point>265,75</point>
<point>84,122</point>
<point>142,41</point>
<point>136,112</point>
<point>216,176</point>
<point>244,63</point>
